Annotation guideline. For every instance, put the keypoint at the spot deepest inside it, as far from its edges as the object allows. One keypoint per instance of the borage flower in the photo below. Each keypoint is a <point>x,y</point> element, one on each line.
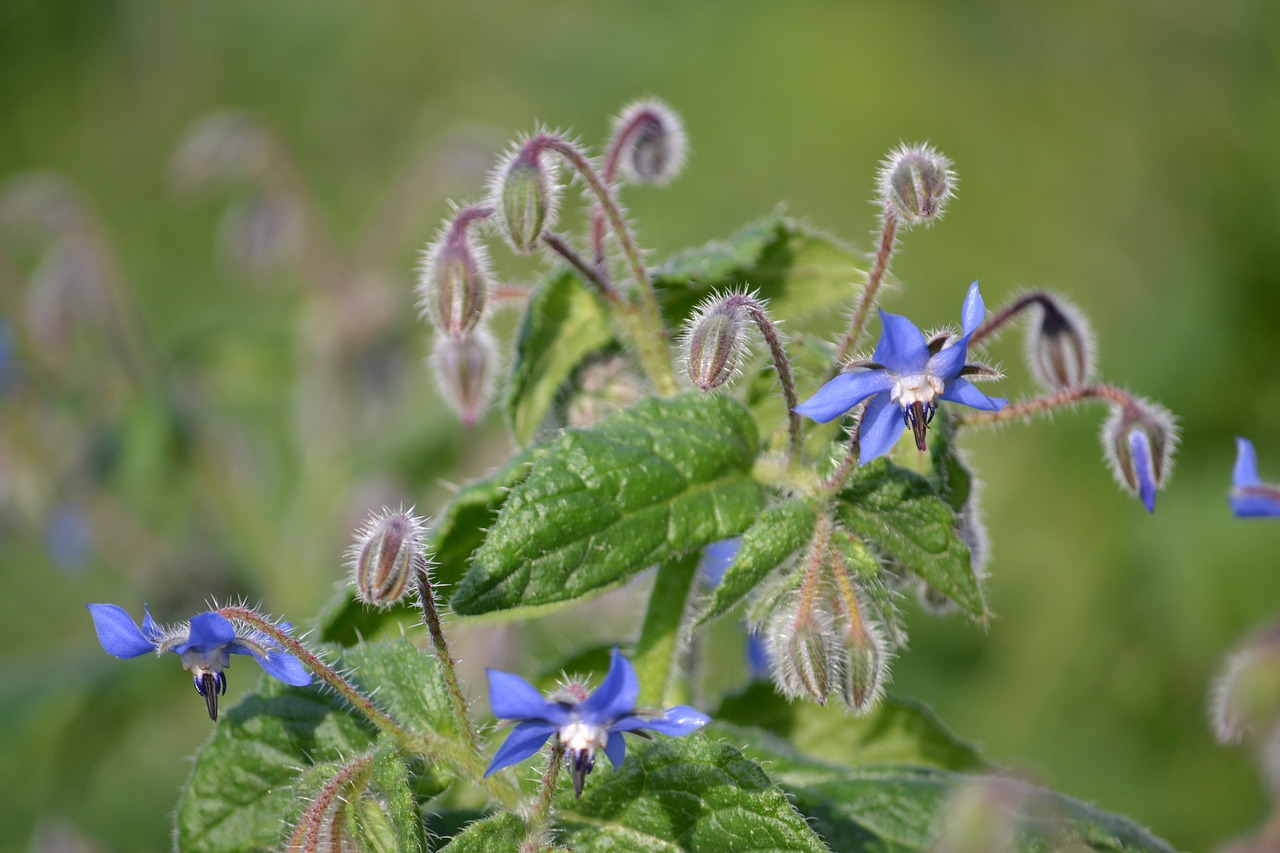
<point>1250,497</point>
<point>206,645</point>
<point>904,380</point>
<point>584,723</point>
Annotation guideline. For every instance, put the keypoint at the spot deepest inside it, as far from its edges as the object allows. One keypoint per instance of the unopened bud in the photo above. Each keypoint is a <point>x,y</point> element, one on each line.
<point>525,196</point>
<point>464,369</point>
<point>867,652</point>
<point>219,147</point>
<point>1138,440</point>
<point>915,183</point>
<point>802,650</point>
<point>1060,345</point>
<point>453,283</point>
<point>652,142</point>
<point>1246,695</point>
<point>714,342</point>
<point>387,554</point>
<point>262,233</point>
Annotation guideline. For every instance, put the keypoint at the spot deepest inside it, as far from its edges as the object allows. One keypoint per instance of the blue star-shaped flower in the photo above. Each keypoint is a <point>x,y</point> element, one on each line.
<point>583,723</point>
<point>1250,497</point>
<point>205,644</point>
<point>905,378</point>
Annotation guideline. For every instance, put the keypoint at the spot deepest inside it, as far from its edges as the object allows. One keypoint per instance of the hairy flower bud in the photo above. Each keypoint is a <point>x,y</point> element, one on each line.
<point>1246,695</point>
<point>464,369</point>
<point>385,557</point>
<point>915,183</point>
<point>453,281</point>
<point>221,146</point>
<point>525,196</point>
<point>1060,345</point>
<point>802,650</point>
<point>865,657</point>
<point>1138,440</point>
<point>714,342</point>
<point>650,141</point>
<point>262,233</point>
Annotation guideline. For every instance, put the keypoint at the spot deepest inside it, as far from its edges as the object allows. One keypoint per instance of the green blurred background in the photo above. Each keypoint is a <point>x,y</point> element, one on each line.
<point>193,405</point>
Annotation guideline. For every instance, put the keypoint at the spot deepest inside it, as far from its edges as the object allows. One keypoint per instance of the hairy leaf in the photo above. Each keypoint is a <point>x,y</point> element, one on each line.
<point>604,502</point>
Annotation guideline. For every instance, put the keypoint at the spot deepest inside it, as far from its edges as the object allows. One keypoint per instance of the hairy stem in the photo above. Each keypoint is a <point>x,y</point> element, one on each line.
<point>538,823</point>
<point>308,833</point>
<point>888,239</point>
<point>656,650</point>
<point>594,275</point>
<point>999,319</point>
<point>1048,403</point>
<point>756,310</point>
<point>431,616</point>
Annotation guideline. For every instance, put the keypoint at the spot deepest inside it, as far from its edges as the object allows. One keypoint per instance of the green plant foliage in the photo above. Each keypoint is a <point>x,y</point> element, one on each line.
<point>604,502</point>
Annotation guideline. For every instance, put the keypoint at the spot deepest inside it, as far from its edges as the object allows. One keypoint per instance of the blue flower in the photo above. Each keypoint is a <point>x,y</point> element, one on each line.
<point>206,644</point>
<point>583,723</point>
<point>1250,497</point>
<point>904,380</point>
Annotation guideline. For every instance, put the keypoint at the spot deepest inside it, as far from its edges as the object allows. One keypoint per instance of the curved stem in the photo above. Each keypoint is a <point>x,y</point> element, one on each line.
<point>1047,403</point>
<point>888,239</point>
<point>538,823</point>
<point>999,319</point>
<point>431,616</point>
<point>781,363</point>
<point>836,481</point>
<point>594,275</point>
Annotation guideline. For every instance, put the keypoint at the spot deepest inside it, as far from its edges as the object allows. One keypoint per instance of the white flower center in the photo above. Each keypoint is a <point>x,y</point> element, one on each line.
<point>921,388</point>
<point>212,662</point>
<point>580,736</point>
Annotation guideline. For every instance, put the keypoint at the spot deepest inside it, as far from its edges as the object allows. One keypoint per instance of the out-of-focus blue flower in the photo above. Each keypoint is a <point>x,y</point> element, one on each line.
<point>904,380</point>
<point>206,645</point>
<point>1250,497</point>
<point>584,723</point>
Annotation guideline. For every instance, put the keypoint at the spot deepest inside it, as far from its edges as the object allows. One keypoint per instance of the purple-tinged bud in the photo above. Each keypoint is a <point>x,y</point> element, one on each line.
<point>915,183</point>
<point>1060,346</point>
<point>525,195</point>
<point>464,369</point>
<point>453,281</point>
<point>1138,440</point>
<point>652,142</point>
<point>1245,700</point>
<point>221,146</point>
<point>262,233</point>
<point>802,648</point>
<point>385,558</point>
<point>714,342</point>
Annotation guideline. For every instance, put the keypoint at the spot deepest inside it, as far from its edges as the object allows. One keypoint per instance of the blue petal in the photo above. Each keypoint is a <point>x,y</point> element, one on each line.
<point>679,721</point>
<point>949,361</point>
<point>882,424</point>
<point>615,696</point>
<point>284,667</point>
<point>757,656</point>
<point>961,390</point>
<point>902,348</point>
<point>150,629</point>
<point>717,557</point>
<point>1140,451</point>
<point>1255,505</point>
<point>843,393</point>
<point>117,632</point>
<point>209,631</point>
<point>973,311</point>
<point>1246,470</point>
<point>525,739</point>
<point>616,748</point>
<point>513,698</point>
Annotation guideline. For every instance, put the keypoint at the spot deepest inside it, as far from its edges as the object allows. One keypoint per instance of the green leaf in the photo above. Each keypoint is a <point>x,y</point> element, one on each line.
<point>455,534</point>
<point>391,822</point>
<point>499,833</point>
<point>898,730</point>
<point>682,794</point>
<point>803,272</point>
<point>894,808</point>
<point>899,511</point>
<point>242,790</point>
<point>563,324</point>
<point>777,533</point>
<point>605,502</point>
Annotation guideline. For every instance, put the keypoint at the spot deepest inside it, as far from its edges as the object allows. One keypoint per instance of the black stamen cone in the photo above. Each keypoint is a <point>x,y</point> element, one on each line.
<point>581,761</point>
<point>210,686</point>
<point>918,417</point>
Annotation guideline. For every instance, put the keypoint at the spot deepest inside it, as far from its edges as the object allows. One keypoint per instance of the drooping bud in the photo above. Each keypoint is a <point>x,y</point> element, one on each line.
<point>453,281</point>
<point>1246,695</point>
<point>1060,347</point>
<point>650,142</point>
<point>221,146</point>
<point>262,233</point>
<point>714,342</point>
<point>803,652</point>
<point>866,652</point>
<point>386,555</point>
<point>1138,440</point>
<point>464,369</point>
<point>915,183</point>
<point>525,195</point>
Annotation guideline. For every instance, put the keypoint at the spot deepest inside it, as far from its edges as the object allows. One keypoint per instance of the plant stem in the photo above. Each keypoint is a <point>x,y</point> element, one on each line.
<point>1049,402</point>
<point>999,319</point>
<point>756,310</point>
<point>538,823</point>
<point>888,238</point>
<point>431,616</point>
<point>593,275</point>
<point>659,643</point>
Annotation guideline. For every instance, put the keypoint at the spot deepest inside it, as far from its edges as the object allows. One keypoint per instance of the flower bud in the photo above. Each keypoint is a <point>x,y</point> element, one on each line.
<point>650,141</point>
<point>385,557</point>
<point>525,196</point>
<point>222,146</point>
<point>262,233</point>
<point>1138,440</point>
<point>714,342</point>
<point>915,183</point>
<point>453,282</point>
<point>1246,695</point>
<point>1060,345</point>
<point>802,650</point>
<point>464,369</point>
<point>866,667</point>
